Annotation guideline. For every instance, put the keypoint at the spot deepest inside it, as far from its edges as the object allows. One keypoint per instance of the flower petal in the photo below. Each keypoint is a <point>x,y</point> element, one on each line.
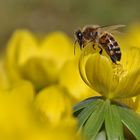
<point>57,46</point>
<point>4,80</point>
<point>130,78</point>
<point>130,59</point>
<point>99,73</point>
<point>54,104</point>
<point>69,77</point>
<point>39,71</point>
<point>20,47</point>
<point>128,86</point>
<point>15,108</point>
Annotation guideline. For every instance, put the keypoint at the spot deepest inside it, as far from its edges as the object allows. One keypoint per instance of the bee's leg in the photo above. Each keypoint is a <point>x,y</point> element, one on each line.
<point>113,58</point>
<point>101,50</point>
<point>83,45</point>
<point>93,46</point>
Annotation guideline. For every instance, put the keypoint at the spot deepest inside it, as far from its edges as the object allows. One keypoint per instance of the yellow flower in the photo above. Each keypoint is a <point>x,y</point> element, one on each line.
<point>54,104</point>
<point>4,80</point>
<point>111,80</point>
<point>55,110</point>
<point>131,39</point>
<point>45,62</point>
<point>65,131</point>
<point>20,121</point>
<point>15,110</point>
<point>69,78</point>
<point>37,61</point>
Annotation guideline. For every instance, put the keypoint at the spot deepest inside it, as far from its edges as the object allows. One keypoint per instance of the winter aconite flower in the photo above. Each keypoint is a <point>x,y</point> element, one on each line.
<point>69,78</point>
<point>15,110</point>
<point>118,83</point>
<point>111,80</point>
<point>54,104</point>
<point>44,62</point>
<point>131,39</point>
<point>37,60</point>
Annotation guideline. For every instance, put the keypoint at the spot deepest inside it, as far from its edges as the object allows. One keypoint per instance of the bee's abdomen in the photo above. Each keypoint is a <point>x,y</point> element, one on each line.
<point>111,47</point>
<point>115,49</point>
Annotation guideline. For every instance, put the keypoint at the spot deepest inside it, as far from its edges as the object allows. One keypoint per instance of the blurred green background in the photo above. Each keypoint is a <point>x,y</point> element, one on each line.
<point>44,16</point>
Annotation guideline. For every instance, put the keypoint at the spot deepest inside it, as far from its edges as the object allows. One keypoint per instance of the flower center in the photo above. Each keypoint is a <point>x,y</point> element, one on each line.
<point>118,71</point>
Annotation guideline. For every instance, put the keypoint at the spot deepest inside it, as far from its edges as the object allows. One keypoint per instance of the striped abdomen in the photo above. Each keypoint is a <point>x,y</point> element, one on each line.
<point>111,46</point>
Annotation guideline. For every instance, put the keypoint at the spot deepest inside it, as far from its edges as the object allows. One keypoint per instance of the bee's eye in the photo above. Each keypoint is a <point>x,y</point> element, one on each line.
<point>79,34</point>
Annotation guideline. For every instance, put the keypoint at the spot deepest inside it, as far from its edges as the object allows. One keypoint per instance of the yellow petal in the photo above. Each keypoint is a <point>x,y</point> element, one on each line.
<point>40,72</point>
<point>54,104</point>
<point>69,77</point>
<point>64,131</point>
<point>130,59</point>
<point>57,46</point>
<point>23,90</point>
<point>15,108</point>
<point>38,62</point>
<point>20,47</point>
<point>27,47</point>
<point>130,78</point>
<point>70,131</point>
<point>99,73</point>
<point>128,86</point>
<point>4,80</point>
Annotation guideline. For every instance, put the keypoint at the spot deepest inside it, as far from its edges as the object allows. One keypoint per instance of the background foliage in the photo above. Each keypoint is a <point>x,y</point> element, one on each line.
<point>67,15</point>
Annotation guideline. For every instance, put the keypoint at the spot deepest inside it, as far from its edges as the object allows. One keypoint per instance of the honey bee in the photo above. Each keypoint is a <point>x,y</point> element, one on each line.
<point>102,37</point>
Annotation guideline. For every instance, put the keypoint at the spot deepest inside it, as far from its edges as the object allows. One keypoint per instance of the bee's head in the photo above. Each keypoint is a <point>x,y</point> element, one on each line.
<point>79,35</point>
<point>79,39</point>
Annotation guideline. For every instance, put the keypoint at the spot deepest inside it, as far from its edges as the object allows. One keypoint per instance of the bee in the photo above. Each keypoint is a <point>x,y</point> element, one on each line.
<point>102,37</point>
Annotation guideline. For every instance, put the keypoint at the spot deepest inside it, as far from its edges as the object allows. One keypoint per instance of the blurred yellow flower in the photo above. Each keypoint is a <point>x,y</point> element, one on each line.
<point>69,78</point>
<point>54,104</point>
<point>15,110</point>
<point>4,80</point>
<point>131,38</point>
<point>19,119</point>
<point>37,61</point>
<point>45,62</point>
<point>111,80</point>
<point>65,131</point>
<point>55,111</point>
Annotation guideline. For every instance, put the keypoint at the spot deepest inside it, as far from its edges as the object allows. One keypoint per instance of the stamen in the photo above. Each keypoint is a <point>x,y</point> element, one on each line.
<point>119,71</point>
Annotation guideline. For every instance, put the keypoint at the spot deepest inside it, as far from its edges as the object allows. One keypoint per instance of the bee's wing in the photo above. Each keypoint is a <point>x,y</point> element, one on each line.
<point>112,28</point>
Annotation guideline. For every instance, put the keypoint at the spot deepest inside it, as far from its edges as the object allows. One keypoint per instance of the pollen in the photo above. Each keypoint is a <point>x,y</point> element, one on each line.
<point>118,71</point>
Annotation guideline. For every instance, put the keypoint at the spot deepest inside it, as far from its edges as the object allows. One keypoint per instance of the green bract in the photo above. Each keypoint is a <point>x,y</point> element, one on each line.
<point>97,114</point>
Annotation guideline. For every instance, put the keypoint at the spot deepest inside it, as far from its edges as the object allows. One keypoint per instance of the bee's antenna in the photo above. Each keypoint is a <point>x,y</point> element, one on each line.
<point>75,45</point>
